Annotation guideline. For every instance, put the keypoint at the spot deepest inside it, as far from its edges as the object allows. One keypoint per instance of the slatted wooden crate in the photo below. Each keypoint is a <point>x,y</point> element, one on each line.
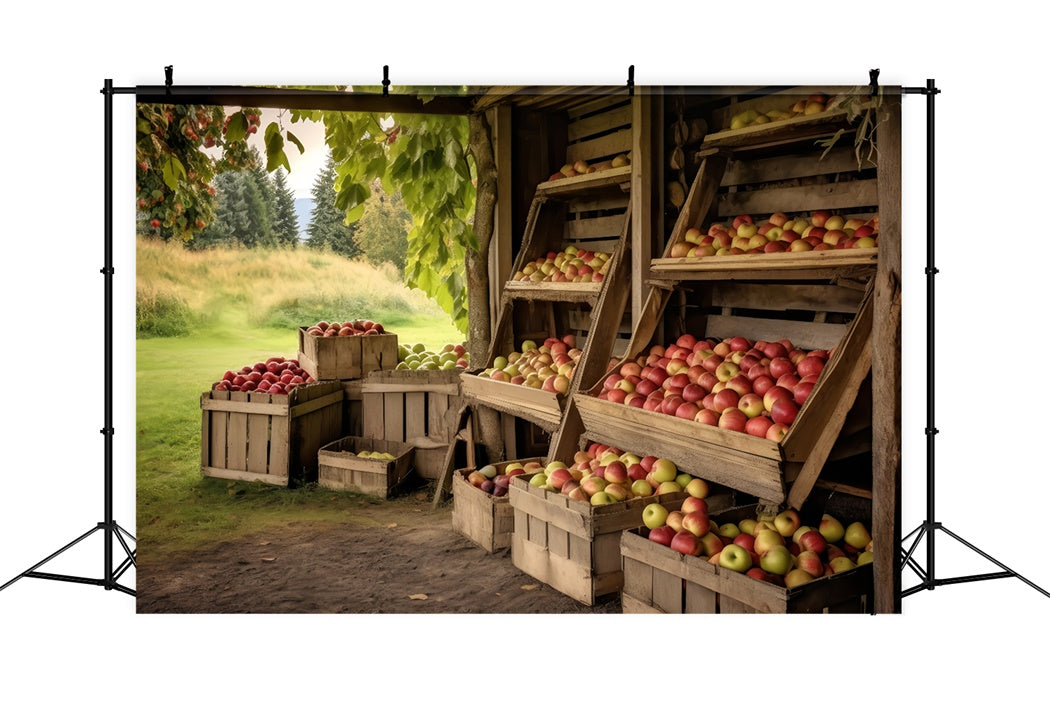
<point>484,519</point>
<point>259,437</point>
<point>346,357</point>
<point>572,545</point>
<point>353,404</point>
<point>772,472</point>
<point>659,580</point>
<point>340,470</point>
<point>717,195</point>
<point>418,407</point>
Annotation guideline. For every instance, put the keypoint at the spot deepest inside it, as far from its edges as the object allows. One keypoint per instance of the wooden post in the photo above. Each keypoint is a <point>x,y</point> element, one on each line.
<point>642,168</point>
<point>886,366</point>
<point>501,248</point>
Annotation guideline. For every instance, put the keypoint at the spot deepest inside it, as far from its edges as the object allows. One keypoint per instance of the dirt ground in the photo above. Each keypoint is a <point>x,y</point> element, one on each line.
<point>402,558</point>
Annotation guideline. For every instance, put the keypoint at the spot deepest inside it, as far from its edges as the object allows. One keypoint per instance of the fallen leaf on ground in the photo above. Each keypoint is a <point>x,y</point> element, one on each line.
<point>529,586</point>
<point>392,524</point>
<point>268,559</point>
<point>263,544</point>
<point>417,596</point>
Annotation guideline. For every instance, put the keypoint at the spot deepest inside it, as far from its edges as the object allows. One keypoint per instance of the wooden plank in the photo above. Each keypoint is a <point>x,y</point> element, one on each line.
<point>797,199</point>
<point>415,415</point>
<point>439,426</point>
<point>598,227</point>
<point>612,202</point>
<point>764,99</point>
<point>280,447</point>
<point>791,166</point>
<point>582,184</point>
<point>604,147</point>
<point>558,541</point>
<point>443,388</point>
<point>258,440</point>
<point>394,417</point>
<point>603,99</point>
<point>373,421</point>
<point>501,245</point>
<point>699,600</point>
<point>698,202</point>
<point>886,366</point>
<point>597,123</point>
<point>638,580</point>
<point>667,592</point>
<point>791,265</point>
<point>319,403</point>
<point>806,297</point>
<point>245,476</point>
<point>564,575</point>
<point>631,605</point>
<point>546,512</point>
<point>804,334</point>
<point>217,440</point>
<point>228,405</point>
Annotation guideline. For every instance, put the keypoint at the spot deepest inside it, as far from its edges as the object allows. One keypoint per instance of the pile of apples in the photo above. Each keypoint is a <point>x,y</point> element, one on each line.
<point>359,327</point>
<point>489,479</point>
<point>372,455</point>
<point>602,475</point>
<point>821,231</point>
<point>780,550</point>
<point>417,357</point>
<point>581,166</point>
<point>735,384</point>
<point>276,375</point>
<point>814,104</point>
<point>548,367</point>
<point>573,264</point>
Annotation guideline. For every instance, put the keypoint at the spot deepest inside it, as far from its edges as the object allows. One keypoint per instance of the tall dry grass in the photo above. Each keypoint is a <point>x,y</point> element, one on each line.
<point>180,290</point>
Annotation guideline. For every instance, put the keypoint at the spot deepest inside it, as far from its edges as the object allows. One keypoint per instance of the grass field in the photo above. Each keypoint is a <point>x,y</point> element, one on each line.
<point>202,313</point>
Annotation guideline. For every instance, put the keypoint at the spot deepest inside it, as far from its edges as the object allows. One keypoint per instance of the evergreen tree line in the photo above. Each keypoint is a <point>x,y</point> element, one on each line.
<point>254,210</point>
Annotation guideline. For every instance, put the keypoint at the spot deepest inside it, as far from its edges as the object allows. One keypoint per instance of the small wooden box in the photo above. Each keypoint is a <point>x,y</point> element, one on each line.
<point>659,580</point>
<point>486,520</point>
<point>541,407</point>
<point>339,470</point>
<point>571,545</point>
<point>418,407</point>
<point>345,357</point>
<point>259,437</point>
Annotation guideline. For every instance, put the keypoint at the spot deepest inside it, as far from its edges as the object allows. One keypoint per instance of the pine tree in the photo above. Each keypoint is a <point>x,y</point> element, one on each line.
<point>263,221</point>
<point>285,219</point>
<point>326,227</point>
<point>382,231</point>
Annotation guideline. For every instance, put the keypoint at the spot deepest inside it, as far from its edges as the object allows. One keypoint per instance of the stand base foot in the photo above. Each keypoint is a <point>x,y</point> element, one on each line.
<point>929,581</point>
<point>112,530</point>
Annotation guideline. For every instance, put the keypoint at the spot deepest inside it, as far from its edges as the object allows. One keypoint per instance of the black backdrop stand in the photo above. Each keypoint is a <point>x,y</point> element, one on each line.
<point>109,527</point>
<point>930,527</point>
<point>302,98</point>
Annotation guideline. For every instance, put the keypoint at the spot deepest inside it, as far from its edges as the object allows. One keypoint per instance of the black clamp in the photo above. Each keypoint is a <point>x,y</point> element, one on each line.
<point>106,431</point>
<point>931,431</point>
<point>630,81</point>
<point>386,80</point>
<point>108,270</point>
<point>930,271</point>
<point>873,82</point>
<point>168,70</point>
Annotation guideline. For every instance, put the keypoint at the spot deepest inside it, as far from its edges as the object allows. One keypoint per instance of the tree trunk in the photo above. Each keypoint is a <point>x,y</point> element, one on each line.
<point>479,332</point>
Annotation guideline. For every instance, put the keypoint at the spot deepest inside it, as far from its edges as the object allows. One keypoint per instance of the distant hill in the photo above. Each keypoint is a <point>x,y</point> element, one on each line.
<point>303,207</point>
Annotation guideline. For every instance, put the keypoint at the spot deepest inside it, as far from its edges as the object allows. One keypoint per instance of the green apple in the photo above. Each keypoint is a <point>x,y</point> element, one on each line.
<point>499,363</point>
<point>747,525</point>
<point>641,488</point>
<point>538,480</point>
<point>735,558</point>
<point>663,470</point>
<point>729,530</point>
<point>787,522</point>
<point>777,560</point>
<point>666,487</point>
<point>654,515</point>
<point>831,529</point>
<point>697,488</point>
<point>489,471</point>
<point>857,536</point>
<point>527,346</point>
<point>841,564</point>
<point>796,577</point>
<point>683,479</point>
<point>602,498</point>
<point>765,540</point>
<point>865,558</point>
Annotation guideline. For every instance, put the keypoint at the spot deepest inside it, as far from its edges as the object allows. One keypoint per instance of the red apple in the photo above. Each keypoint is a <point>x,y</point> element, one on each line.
<point>706,417</point>
<point>774,394</point>
<point>663,534</point>
<point>784,410</point>
<point>776,432</point>
<point>732,419</point>
<point>758,426</point>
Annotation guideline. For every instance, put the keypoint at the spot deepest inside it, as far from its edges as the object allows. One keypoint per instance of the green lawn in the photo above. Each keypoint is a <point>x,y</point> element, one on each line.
<point>177,508</point>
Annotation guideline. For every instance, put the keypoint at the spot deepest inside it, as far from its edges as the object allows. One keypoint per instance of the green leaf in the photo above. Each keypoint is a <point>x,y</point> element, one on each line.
<point>295,140</point>
<point>275,156</point>
<point>237,129</point>
<point>173,171</point>
<point>271,129</point>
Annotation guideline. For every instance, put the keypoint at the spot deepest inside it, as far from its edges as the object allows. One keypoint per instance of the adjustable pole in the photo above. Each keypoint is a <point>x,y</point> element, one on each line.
<point>930,527</point>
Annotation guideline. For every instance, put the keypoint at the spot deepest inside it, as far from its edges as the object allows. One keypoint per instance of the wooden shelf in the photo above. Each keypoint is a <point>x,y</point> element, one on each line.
<point>539,407</point>
<point>596,182</point>
<point>556,292</point>
<point>853,263</point>
<point>785,131</point>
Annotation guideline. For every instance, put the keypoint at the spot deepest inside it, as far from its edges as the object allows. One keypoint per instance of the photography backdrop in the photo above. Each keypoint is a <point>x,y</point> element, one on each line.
<point>988,474</point>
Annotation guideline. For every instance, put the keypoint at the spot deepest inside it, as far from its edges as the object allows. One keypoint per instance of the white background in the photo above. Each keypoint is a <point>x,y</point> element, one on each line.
<point>963,647</point>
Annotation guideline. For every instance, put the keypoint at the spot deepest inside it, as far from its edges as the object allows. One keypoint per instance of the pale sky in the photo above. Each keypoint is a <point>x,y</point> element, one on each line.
<point>304,166</point>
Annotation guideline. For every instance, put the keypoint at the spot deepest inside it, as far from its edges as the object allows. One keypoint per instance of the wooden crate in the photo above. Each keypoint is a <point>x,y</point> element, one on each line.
<point>418,407</point>
<point>756,466</point>
<point>659,580</point>
<point>571,545</point>
<point>486,520</point>
<point>259,437</point>
<point>538,406</point>
<point>339,470</point>
<point>353,407</point>
<point>346,357</point>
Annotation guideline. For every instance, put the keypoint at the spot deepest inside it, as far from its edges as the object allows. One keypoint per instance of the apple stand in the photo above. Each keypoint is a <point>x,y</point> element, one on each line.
<point>111,530</point>
<point>930,526</point>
